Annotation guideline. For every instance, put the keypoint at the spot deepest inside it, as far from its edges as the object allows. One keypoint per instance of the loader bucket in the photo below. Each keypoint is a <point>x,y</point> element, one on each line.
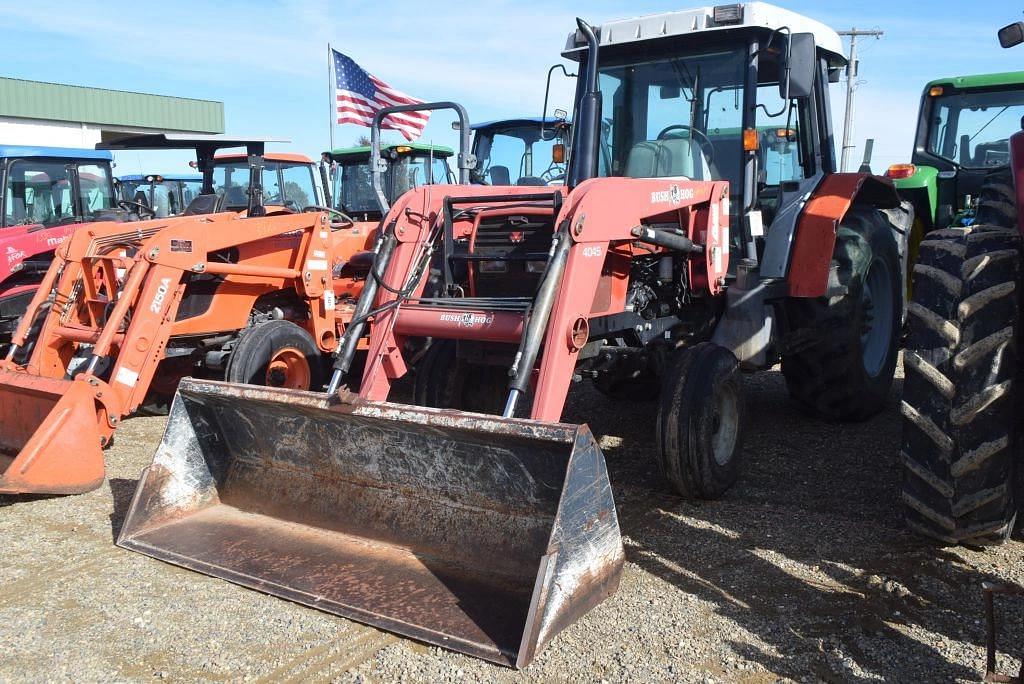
<point>49,436</point>
<point>478,534</point>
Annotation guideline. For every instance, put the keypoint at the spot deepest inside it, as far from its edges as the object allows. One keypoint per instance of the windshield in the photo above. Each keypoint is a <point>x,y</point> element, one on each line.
<point>517,155</point>
<point>165,198</point>
<point>973,128</point>
<point>42,192</point>
<point>287,184</point>
<point>411,171</point>
<point>674,117</point>
<point>353,189</point>
<point>352,185</point>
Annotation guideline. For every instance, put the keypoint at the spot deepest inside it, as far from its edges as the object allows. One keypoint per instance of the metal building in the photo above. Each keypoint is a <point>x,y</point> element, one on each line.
<point>57,115</point>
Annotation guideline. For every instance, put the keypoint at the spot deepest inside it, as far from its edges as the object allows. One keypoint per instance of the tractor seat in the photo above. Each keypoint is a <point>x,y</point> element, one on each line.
<point>667,158</point>
<point>203,204</point>
<point>500,175</point>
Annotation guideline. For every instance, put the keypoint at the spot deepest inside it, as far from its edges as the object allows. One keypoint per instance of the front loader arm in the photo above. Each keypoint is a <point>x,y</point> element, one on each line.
<point>602,213</point>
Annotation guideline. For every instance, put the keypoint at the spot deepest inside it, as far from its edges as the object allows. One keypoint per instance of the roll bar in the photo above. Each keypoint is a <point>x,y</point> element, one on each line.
<point>466,160</point>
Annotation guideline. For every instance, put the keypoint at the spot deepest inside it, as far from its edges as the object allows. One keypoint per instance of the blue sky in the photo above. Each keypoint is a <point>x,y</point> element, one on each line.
<point>267,61</point>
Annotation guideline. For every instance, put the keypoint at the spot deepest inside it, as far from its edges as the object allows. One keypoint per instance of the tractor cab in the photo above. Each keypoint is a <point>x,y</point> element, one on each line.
<point>408,166</point>
<point>255,182</point>
<point>47,193</point>
<point>166,194</point>
<point>963,133</point>
<point>52,186</point>
<point>289,181</point>
<point>733,92</point>
<point>524,151</point>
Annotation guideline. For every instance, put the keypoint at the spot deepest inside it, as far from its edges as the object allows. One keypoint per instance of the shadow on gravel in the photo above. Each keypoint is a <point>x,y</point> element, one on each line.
<point>12,499</point>
<point>807,552</point>
<point>121,490</point>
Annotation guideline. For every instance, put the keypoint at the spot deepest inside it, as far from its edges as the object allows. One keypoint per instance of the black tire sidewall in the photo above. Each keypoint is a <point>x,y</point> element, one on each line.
<point>256,346</point>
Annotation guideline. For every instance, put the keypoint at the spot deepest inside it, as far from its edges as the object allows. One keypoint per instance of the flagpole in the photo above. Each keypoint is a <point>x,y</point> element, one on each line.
<point>331,97</point>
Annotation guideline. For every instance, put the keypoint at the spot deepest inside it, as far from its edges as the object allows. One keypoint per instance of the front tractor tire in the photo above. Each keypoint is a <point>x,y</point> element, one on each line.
<point>700,420</point>
<point>959,411</point>
<point>841,359</point>
<point>276,353</point>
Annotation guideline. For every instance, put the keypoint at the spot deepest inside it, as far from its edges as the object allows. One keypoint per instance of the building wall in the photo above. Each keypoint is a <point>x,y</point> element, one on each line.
<point>49,133</point>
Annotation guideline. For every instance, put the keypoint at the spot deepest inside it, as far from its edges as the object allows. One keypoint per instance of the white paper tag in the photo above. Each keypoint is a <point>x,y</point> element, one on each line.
<point>329,301</point>
<point>756,223</point>
<point>127,376</point>
<point>316,264</point>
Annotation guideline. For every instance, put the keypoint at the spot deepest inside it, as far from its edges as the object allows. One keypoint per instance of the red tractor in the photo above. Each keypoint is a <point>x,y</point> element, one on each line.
<point>47,193</point>
<point>488,534</point>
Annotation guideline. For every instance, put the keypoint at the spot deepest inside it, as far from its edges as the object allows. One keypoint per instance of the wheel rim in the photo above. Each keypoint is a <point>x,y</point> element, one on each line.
<point>288,368</point>
<point>878,306</point>
<point>725,425</point>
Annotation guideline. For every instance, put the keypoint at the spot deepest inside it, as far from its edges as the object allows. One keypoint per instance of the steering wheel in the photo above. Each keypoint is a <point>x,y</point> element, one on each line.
<point>342,216</point>
<point>141,208</point>
<point>553,173</point>
<point>702,139</point>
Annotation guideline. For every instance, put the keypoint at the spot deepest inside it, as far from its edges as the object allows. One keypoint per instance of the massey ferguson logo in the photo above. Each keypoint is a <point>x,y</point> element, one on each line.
<point>674,195</point>
<point>467,320</point>
<point>14,255</point>
<point>161,292</point>
<point>55,241</point>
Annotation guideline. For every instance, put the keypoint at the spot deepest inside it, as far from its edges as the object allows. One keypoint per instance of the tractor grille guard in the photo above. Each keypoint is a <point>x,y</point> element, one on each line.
<point>532,200</point>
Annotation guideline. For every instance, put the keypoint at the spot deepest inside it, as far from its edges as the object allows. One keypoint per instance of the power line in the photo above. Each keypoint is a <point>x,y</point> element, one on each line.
<point>851,87</point>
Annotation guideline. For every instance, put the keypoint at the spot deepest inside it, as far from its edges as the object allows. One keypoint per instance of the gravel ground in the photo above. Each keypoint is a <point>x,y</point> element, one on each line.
<point>802,572</point>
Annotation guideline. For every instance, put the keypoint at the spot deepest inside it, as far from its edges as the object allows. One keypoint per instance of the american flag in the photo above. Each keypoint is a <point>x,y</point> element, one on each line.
<point>361,95</point>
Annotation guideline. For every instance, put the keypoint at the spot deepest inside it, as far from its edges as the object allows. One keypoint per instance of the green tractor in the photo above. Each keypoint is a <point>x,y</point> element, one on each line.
<point>409,165</point>
<point>960,410</point>
<point>962,137</point>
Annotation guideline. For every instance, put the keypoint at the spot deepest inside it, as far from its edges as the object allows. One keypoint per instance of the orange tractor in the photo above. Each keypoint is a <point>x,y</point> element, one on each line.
<point>697,135</point>
<point>257,292</point>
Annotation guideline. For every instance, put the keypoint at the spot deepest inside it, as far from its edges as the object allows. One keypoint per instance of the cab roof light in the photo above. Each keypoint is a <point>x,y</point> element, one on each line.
<point>728,14</point>
<point>935,91</point>
<point>898,171</point>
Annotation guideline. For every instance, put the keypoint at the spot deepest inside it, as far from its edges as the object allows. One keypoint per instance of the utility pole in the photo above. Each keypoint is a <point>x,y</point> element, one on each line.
<point>851,87</point>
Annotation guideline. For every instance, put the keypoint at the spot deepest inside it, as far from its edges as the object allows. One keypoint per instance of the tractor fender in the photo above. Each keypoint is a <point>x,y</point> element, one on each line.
<point>818,222</point>
<point>921,190</point>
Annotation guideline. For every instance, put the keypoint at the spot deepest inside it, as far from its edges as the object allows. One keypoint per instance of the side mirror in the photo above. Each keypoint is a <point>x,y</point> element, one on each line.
<point>1011,35</point>
<point>802,62</point>
<point>561,114</point>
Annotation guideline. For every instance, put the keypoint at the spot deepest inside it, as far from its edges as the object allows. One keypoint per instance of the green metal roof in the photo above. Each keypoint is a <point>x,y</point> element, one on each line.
<point>58,102</point>
<point>1008,78</point>
<point>438,150</point>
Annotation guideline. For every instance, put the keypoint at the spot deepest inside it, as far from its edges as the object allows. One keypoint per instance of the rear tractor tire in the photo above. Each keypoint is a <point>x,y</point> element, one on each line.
<point>700,420</point>
<point>277,353</point>
<point>959,406</point>
<point>842,361</point>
